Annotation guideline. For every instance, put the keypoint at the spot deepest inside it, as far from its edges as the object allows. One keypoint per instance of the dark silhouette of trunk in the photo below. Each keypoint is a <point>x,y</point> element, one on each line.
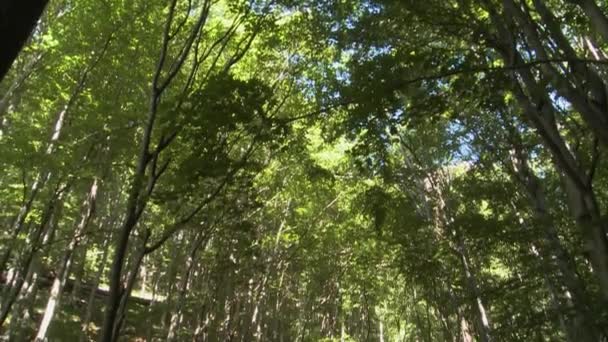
<point>147,168</point>
<point>17,21</point>
<point>30,253</point>
<point>539,109</point>
<point>599,21</point>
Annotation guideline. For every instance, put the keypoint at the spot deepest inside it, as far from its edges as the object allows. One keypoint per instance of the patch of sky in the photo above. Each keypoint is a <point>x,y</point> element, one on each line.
<point>559,102</point>
<point>463,141</point>
<point>376,51</point>
<point>397,115</point>
<point>372,7</point>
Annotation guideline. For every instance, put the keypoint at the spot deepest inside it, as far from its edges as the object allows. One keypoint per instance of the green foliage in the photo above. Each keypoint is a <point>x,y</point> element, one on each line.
<point>316,170</point>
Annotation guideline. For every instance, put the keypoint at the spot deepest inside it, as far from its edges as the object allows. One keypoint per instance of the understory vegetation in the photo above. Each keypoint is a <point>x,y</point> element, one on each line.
<point>307,170</point>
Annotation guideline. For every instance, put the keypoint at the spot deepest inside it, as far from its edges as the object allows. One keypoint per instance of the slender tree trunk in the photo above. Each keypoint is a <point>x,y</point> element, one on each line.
<point>582,199</point>
<point>18,326</point>
<point>584,329</point>
<point>64,267</point>
<point>153,300</point>
<point>596,16</point>
<point>174,247</point>
<point>19,221</point>
<point>595,116</point>
<point>94,285</point>
<point>29,255</point>
<point>128,288</point>
<point>176,317</point>
<point>43,177</point>
<point>587,215</point>
<point>483,322</point>
<point>465,330</point>
<point>554,258</point>
<point>10,94</point>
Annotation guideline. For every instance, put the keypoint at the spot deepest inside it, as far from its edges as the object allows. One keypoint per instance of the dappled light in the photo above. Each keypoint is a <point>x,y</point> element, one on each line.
<point>304,170</point>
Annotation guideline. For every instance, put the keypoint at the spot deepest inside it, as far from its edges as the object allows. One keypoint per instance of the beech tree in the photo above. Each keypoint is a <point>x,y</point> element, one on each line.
<point>279,170</point>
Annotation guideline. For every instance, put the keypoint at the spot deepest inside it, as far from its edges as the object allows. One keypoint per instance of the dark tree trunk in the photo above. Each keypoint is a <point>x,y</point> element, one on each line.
<point>17,21</point>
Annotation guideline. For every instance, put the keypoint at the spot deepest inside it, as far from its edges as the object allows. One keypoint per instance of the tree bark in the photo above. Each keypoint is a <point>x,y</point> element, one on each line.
<point>596,16</point>
<point>30,252</point>
<point>483,322</point>
<point>64,267</point>
<point>538,107</point>
<point>137,198</point>
<point>91,299</point>
<point>176,317</point>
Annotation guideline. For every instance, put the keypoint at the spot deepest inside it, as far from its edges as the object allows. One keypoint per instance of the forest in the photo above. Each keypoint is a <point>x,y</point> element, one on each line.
<point>304,170</point>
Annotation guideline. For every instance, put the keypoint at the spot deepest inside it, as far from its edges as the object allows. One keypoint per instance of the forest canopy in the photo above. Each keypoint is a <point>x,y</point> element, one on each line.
<point>304,170</point>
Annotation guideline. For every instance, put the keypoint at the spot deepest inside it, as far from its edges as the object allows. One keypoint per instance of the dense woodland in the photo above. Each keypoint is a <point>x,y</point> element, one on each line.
<point>306,170</point>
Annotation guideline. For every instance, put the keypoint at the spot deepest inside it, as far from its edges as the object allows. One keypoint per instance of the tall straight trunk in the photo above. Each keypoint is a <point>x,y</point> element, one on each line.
<point>12,92</point>
<point>138,197</point>
<point>176,317</point>
<point>598,19</point>
<point>552,250</point>
<point>538,107</point>
<point>442,218</point>
<point>64,267</point>
<point>78,273</point>
<point>17,326</point>
<point>586,212</point>
<point>94,285</point>
<point>555,259</point>
<point>18,223</point>
<point>128,288</point>
<point>260,291</point>
<point>174,247</point>
<point>153,301</point>
<point>594,115</point>
<point>465,330</point>
<point>582,75</point>
<point>483,322</point>
<point>29,254</point>
<point>43,176</point>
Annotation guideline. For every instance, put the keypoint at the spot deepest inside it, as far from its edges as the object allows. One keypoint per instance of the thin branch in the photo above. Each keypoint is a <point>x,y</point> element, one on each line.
<point>164,48</point>
<point>184,52</point>
<point>187,218</point>
<point>477,70</point>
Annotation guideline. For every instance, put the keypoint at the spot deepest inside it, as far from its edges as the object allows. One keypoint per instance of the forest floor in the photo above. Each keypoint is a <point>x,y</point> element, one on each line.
<point>67,325</point>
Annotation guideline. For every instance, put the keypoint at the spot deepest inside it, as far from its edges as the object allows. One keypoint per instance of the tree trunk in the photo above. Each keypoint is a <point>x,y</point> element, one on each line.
<point>10,94</point>
<point>19,221</point>
<point>594,115</point>
<point>128,288</point>
<point>64,267</point>
<point>596,16</point>
<point>176,317</point>
<point>91,298</point>
<point>19,310</point>
<point>483,322</point>
<point>582,199</point>
<point>585,210</point>
<point>29,255</point>
<point>43,177</point>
